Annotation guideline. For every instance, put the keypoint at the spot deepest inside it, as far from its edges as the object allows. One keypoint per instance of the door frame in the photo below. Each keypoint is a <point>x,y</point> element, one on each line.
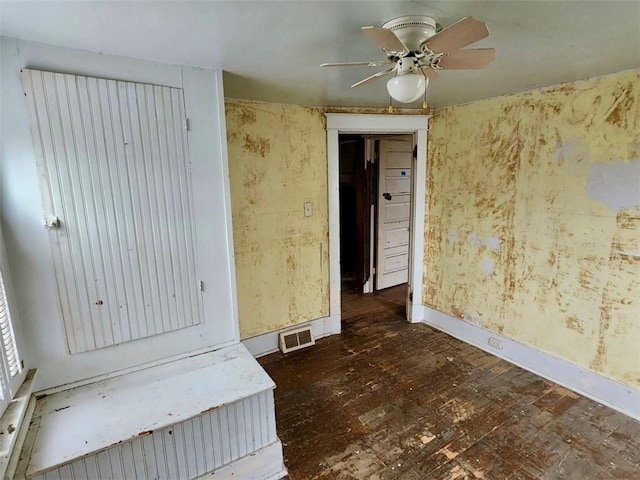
<point>338,123</point>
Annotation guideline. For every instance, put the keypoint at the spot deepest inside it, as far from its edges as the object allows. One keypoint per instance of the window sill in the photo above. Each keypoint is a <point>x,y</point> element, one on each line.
<point>14,424</point>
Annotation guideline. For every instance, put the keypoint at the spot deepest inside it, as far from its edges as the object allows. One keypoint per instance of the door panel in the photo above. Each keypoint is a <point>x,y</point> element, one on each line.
<point>397,237</point>
<point>396,158</point>
<point>396,262</point>
<point>396,186</point>
<point>399,173</point>
<point>398,212</point>
<point>394,212</point>
<point>116,171</point>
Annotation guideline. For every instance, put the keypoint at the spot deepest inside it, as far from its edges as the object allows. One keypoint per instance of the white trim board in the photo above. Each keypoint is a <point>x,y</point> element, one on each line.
<point>338,123</point>
<point>585,382</point>
<point>263,464</point>
<point>267,343</point>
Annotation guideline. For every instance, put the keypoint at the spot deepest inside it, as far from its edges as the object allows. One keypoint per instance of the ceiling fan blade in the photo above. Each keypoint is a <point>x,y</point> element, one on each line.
<point>430,73</point>
<point>459,35</point>
<point>468,59</point>
<point>385,39</point>
<point>353,64</point>
<point>373,77</point>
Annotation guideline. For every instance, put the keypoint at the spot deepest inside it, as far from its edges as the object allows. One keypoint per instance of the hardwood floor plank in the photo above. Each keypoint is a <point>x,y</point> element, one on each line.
<point>387,399</point>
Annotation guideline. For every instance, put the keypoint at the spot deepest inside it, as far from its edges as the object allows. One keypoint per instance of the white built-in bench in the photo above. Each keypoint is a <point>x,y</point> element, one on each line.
<point>208,414</point>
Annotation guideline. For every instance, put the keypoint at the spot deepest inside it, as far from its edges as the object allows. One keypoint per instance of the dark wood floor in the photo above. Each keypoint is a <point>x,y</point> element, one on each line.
<point>388,399</point>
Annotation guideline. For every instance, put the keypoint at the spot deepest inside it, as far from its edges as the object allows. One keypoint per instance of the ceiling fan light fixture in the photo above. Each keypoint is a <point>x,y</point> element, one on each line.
<point>416,52</point>
<point>407,88</point>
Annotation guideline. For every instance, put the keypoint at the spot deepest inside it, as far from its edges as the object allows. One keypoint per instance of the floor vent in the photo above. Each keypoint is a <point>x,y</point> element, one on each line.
<point>292,340</point>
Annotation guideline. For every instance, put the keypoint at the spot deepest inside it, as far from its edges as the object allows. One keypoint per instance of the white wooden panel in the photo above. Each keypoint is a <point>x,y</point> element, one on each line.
<point>398,157</point>
<point>399,172</point>
<point>397,277</point>
<point>416,267</point>
<point>394,185</point>
<point>397,211</point>
<point>395,237</point>
<point>396,262</point>
<point>399,250</point>
<point>186,450</point>
<point>115,168</point>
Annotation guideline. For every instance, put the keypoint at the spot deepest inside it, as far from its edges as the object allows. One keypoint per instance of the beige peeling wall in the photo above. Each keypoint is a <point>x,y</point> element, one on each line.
<point>277,162</point>
<point>533,221</point>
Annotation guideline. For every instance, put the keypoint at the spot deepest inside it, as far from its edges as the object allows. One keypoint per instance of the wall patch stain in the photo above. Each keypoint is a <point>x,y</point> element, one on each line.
<point>616,112</point>
<point>574,324</point>
<point>261,146</point>
<point>493,243</point>
<point>474,318</point>
<point>246,116</point>
<point>628,253</point>
<point>616,184</point>
<point>599,358</point>
<point>474,239</point>
<point>487,266</point>
<point>573,154</point>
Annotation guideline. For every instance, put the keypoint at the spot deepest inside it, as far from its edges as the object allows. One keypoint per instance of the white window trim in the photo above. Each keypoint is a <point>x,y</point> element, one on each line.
<point>17,404</point>
<point>9,384</point>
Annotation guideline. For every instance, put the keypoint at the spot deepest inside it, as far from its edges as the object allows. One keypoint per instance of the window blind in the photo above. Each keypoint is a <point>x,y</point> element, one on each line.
<point>8,340</point>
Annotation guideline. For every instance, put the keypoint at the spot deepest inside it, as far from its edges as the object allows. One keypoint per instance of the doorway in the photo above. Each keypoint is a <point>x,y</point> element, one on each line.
<point>357,199</point>
<point>376,125</point>
<point>375,210</point>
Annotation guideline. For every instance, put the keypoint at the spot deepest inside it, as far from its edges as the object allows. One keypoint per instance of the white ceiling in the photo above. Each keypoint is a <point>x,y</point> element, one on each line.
<point>271,50</point>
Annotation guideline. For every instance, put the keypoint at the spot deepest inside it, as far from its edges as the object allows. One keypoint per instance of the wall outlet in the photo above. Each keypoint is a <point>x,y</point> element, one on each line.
<point>495,343</point>
<point>308,209</point>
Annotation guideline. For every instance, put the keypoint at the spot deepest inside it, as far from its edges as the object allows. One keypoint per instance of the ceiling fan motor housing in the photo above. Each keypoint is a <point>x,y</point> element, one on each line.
<point>412,30</point>
<point>408,64</point>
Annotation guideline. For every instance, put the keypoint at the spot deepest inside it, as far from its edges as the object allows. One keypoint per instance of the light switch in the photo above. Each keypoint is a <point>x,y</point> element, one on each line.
<point>308,210</point>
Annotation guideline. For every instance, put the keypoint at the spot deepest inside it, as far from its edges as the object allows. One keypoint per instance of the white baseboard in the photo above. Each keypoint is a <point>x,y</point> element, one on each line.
<point>585,382</point>
<point>263,464</point>
<point>266,343</point>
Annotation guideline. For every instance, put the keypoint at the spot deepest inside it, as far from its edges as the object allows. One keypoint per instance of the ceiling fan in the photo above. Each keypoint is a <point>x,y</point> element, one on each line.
<point>415,52</point>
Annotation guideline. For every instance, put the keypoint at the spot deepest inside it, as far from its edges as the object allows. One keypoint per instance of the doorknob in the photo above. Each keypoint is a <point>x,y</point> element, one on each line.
<point>387,196</point>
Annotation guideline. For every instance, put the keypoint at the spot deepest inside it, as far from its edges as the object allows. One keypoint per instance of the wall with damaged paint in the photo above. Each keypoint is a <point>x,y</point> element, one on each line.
<point>533,220</point>
<point>277,163</point>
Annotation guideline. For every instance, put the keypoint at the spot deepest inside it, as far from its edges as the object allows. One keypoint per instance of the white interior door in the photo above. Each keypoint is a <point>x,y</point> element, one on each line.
<point>394,212</point>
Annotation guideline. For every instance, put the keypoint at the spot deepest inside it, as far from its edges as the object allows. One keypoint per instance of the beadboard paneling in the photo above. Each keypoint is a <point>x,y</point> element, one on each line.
<point>115,171</point>
<point>183,451</point>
